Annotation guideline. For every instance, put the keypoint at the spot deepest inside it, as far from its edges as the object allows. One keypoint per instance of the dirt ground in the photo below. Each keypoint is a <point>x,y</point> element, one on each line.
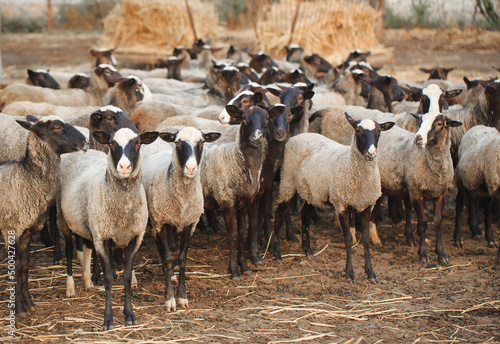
<point>296,301</point>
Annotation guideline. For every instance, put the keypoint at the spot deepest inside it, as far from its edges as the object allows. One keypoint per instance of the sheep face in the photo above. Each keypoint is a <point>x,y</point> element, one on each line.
<point>261,62</point>
<point>390,88</point>
<point>246,70</point>
<point>61,136</point>
<point>42,78</point>
<point>279,127</point>
<point>243,101</point>
<point>108,73</point>
<point>124,147</point>
<point>189,147</point>
<point>294,53</point>
<point>103,56</point>
<point>438,72</point>
<point>296,76</point>
<point>79,81</point>
<point>433,130</point>
<point>367,133</point>
<point>295,96</point>
<point>133,88</point>
<point>319,64</point>
<point>110,119</point>
<point>227,83</point>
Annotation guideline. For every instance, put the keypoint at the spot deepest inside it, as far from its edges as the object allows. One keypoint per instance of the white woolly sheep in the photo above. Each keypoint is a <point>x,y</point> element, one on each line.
<point>350,182</point>
<point>31,185</point>
<point>175,200</point>
<point>102,200</point>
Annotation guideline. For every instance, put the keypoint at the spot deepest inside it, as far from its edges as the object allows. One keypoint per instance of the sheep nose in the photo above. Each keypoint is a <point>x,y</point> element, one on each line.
<point>418,140</point>
<point>125,168</point>
<point>257,135</point>
<point>190,168</point>
<point>280,134</point>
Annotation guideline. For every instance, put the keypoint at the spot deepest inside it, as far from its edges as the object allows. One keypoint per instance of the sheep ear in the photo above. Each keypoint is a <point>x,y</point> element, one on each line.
<point>351,120</point>
<point>168,137</point>
<point>425,70</point>
<point>276,110</point>
<point>25,124</point>
<point>258,97</point>
<point>211,137</point>
<point>274,91</point>
<point>386,125</point>
<point>297,112</point>
<point>30,72</point>
<point>101,137</point>
<point>32,118</point>
<point>149,137</point>
<point>451,122</point>
<point>447,70</point>
<point>308,94</point>
<point>234,111</point>
<point>452,93</point>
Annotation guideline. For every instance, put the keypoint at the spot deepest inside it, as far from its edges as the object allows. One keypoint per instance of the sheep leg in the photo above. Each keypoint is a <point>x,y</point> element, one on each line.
<point>266,206</point>
<point>45,235</point>
<point>184,244</point>
<point>87,256</point>
<point>212,220</point>
<point>418,205</point>
<point>168,268</point>
<point>306,217</point>
<point>392,205</point>
<point>54,232</point>
<point>473,214</point>
<point>241,215</point>
<point>25,242</point>
<point>376,215</point>
<point>488,232</point>
<point>118,256</point>
<point>282,211</point>
<point>70,281</point>
<point>129,252</point>
<point>232,235</point>
<point>96,270</point>
<point>102,250</point>
<point>364,219</point>
<point>344,224</point>
<point>438,207</point>
<point>21,308</point>
<point>253,232</point>
<point>79,246</point>
<point>410,236</point>
<point>459,207</point>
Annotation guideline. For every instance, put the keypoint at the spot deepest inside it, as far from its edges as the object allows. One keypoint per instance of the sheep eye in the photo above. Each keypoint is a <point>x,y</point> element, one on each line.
<point>109,118</point>
<point>57,129</point>
<point>245,101</point>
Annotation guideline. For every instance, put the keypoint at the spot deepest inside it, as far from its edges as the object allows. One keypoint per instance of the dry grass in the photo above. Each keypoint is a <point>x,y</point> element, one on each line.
<point>329,28</point>
<point>152,26</point>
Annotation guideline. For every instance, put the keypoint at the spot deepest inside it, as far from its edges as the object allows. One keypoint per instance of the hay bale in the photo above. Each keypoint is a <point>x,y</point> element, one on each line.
<point>157,26</point>
<point>329,28</point>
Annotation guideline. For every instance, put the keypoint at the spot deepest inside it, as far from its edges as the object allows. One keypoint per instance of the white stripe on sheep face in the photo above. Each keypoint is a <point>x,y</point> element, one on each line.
<point>369,125</point>
<point>126,157</point>
<point>238,99</point>
<point>433,92</point>
<point>425,127</point>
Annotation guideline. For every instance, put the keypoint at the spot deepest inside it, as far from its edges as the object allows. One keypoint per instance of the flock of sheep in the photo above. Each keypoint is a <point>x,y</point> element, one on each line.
<point>199,135</point>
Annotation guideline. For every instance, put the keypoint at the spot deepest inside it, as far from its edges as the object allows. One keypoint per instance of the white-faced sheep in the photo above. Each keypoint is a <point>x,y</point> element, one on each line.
<point>102,200</point>
<point>418,167</point>
<point>31,184</point>
<point>350,182</point>
<point>175,200</point>
<point>230,175</point>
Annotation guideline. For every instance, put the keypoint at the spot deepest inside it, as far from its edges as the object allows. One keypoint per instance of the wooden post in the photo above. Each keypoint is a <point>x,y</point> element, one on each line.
<point>294,21</point>
<point>381,18</point>
<point>191,20</point>
<point>49,15</point>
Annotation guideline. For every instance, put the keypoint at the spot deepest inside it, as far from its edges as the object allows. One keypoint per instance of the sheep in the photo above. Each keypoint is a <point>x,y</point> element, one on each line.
<point>383,91</point>
<point>261,62</point>
<point>238,54</point>
<point>314,66</point>
<point>329,123</point>
<point>352,183</point>
<point>79,80</point>
<point>355,56</point>
<point>230,173</point>
<point>102,200</point>
<point>418,167</point>
<point>42,78</point>
<point>103,56</point>
<point>175,200</point>
<point>352,88</point>
<point>478,172</point>
<point>437,73</point>
<point>30,185</point>
<point>294,53</point>
<point>101,79</point>
<point>474,89</point>
<point>173,67</point>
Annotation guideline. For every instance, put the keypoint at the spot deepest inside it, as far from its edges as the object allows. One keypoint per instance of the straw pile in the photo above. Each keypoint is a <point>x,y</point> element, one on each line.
<point>329,28</point>
<point>153,26</point>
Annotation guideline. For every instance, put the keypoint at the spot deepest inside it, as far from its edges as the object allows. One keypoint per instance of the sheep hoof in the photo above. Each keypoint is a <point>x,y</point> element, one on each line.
<point>459,244</point>
<point>424,260</point>
<point>22,315</point>
<point>378,244</point>
<point>492,244</point>
<point>106,327</point>
<point>312,256</point>
<point>132,322</point>
<point>70,286</point>
<point>374,280</point>
<point>170,305</point>
<point>58,262</point>
<point>183,303</point>
<point>478,236</point>
<point>88,284</point>
<point>443,260</point>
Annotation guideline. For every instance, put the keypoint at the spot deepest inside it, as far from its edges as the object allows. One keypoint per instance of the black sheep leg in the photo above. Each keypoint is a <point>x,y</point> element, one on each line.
<point>344,224</point>
<point>364,221</point>
<point>102,251</point>
<point>306,217</point>
<point>184,244</point>
<point>129,252</point>
<point>168,268</point>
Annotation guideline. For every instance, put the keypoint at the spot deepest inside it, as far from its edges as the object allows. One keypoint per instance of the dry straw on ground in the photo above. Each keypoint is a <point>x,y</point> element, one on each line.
<point>152,26</point>
<point>329,28</point>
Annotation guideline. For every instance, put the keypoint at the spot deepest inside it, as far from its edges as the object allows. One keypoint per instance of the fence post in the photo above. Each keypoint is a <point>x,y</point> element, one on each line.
<point>49,15</point>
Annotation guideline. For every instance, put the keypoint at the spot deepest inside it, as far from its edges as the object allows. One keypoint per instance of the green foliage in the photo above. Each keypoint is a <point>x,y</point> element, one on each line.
<point>22,24</point>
